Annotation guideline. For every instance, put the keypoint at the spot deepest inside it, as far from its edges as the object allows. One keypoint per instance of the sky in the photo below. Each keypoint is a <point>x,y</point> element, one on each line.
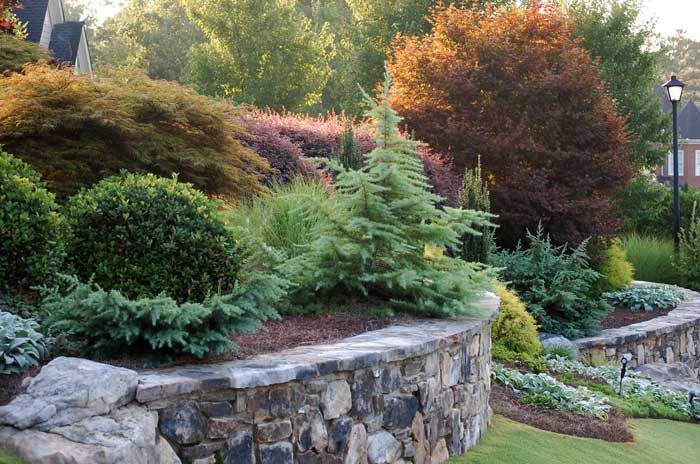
<point>674,14</point>
<point>669,14</point>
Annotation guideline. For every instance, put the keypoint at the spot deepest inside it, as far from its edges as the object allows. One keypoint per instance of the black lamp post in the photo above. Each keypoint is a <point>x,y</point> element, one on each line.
<point>674,88</point>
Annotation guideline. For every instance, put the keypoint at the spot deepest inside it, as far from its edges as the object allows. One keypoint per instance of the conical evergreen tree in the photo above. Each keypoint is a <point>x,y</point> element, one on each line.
<point>474,194</point>
<point>382,219</point>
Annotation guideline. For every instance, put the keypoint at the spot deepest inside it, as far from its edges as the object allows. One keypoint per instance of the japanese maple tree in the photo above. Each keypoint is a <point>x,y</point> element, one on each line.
<point>514,86</point>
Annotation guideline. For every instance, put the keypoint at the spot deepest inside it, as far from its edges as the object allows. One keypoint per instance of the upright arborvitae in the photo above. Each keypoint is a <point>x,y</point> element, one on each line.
<point>474,194</point>
<point>383,218</point>
<point>350,155</point>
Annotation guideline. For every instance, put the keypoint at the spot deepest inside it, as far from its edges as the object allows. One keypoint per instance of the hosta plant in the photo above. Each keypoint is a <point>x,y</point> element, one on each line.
<point>634,385</point>
<point>21,344</point>
<point>640,299</point>
<point>547,392</point>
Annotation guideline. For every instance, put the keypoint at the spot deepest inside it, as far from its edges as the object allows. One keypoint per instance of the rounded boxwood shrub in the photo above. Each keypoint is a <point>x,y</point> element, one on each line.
<point>31,229</point>
<point>146,235</point>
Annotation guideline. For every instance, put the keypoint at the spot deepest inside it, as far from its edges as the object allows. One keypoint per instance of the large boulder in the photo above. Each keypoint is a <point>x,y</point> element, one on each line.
<point>126,435</point>
<point>675,375</point>
<point>68,390</point>
<point>553,340</point>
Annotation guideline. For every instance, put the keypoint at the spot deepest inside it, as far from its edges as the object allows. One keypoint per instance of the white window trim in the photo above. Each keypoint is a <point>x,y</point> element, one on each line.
<point>697,163</point>
<point>681,164</point>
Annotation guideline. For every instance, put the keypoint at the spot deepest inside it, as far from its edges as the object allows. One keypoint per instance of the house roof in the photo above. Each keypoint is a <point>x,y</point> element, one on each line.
<point>689,121</point>
<point>65,40</point>
<point>33,13</point>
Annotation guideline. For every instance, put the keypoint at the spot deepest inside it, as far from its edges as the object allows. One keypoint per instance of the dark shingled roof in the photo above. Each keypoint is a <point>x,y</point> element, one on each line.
<point>689,121</point>
<point>65,39</point>
<point>33,13</point>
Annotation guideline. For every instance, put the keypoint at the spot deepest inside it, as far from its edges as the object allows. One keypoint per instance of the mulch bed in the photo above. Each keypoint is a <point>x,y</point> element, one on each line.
<point>506,402</point>
<point>621,317</point>
<point>11,385</point>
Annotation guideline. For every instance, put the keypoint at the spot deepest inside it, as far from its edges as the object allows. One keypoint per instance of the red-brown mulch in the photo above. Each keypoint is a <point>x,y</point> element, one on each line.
<point>289,332</point>
<point>11,385</point>
<point>506,402</point>
<point>621,317</point>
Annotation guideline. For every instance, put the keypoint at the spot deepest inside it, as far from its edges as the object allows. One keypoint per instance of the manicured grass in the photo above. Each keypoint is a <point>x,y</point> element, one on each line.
<point>656,442</point>
<point>8,457</point>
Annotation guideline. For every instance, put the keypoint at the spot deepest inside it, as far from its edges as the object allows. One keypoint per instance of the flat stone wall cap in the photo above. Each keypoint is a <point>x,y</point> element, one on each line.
<point>400,341</point>
<point>68,390</point>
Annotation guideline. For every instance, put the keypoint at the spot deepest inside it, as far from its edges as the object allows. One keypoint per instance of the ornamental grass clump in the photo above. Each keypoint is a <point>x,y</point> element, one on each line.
<point>646,298</point>
<point>373,240</point>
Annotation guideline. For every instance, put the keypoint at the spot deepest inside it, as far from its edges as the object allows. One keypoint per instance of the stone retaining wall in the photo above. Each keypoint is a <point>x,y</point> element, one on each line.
<point>667,339</point>
<point>415,392</point>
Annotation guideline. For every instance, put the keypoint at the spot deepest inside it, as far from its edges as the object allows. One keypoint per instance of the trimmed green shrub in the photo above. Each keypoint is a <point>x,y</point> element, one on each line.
<point>474,194</point>
<point>16,52</point>
<point>689,254</point>
<point>646,298</point>
<point>288,218</point>
<point>651,257</point>
<point>32,231</point>
<point>373,241</point>
<point>555,282</point>
<point>77,130</point>
<point>515,328</point>
<point>104,323</point>
<point>647,207</point>
<point>145,235</point>
<point>21,344</point>
<point>616,271</point>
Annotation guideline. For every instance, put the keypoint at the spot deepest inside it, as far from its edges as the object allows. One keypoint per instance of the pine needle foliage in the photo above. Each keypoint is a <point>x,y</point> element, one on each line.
<point>383,218</point>
<point>350,154</point>
<point>474,194</point>
<point>105,322</point>
<point>76,131</point>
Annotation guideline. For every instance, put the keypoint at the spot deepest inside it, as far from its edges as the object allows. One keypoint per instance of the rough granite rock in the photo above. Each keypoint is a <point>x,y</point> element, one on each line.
<point>676,375</point>
<point>357,445</point>
<point>126,435</point>
<point>68,390</point>
<point>336,399</point>
<point>549,340</point>
<point>383,448</point>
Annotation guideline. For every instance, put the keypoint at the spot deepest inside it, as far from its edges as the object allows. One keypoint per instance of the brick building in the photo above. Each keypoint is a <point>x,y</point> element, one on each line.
<point>688,148</point>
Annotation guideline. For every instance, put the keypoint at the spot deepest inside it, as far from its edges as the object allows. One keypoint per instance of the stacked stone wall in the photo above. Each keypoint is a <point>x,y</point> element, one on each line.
<point>667,339</point>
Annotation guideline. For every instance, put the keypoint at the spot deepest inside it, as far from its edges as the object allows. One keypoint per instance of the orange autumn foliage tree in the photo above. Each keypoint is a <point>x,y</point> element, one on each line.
<point>76,131</point>
<point>514,86</point>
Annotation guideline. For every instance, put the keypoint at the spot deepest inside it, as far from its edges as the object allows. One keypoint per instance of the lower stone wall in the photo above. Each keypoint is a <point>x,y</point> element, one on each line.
<point>420,407</point>
<point>667,339</point>
<point>415,392</point>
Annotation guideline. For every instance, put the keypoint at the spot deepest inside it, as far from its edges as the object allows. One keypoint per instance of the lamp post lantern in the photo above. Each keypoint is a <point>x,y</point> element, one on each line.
<point>674,88</point>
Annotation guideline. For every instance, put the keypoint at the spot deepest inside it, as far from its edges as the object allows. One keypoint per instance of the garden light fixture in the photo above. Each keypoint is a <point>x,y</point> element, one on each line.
<point>623,371</point>
<point>674,88</point>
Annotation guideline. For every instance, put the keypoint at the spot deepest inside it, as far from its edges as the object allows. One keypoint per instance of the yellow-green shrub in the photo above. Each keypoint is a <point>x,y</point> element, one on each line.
<point>616,272</point>
<point>515,328</point>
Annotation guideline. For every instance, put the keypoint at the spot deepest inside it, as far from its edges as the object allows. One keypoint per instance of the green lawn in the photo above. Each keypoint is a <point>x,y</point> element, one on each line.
<point>657,442</point>
<point>7,457</point>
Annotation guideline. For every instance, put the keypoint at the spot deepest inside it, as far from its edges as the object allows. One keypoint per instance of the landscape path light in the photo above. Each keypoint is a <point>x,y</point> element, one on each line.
<point>674,89</point>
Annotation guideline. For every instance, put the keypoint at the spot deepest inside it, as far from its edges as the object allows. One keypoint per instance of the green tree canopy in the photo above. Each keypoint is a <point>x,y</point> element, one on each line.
<point>613,31</point>
<point>156,35</point>
<point>264,51</point>
<point>682,57</point>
